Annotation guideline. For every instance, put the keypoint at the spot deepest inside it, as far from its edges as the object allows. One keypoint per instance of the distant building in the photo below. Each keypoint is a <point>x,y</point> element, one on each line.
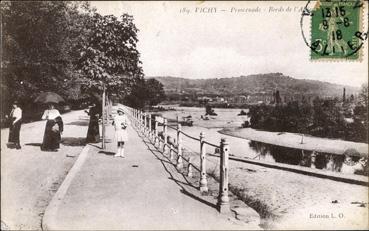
<point>240,99</point>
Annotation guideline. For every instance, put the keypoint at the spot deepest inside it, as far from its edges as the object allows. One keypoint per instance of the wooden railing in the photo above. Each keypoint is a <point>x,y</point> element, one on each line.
<point>143,123</point>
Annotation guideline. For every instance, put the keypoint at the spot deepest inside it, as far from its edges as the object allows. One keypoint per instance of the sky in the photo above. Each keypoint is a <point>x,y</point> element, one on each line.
<point>229,39</point>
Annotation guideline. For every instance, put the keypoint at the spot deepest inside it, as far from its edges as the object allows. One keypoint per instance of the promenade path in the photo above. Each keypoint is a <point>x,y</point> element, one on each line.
<point>30,177</point>
<point>140,191</point>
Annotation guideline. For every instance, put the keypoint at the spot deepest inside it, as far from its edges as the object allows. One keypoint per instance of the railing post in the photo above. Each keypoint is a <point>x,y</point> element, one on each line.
<point>189,173</point>
<point>203,180</point>
<point>145,122</point>
<point>179,146</point>
<point>312,159</point>
<point>171,152</point>
<point>139,121</point>
<point>330,164</point>
<point>165,135</point>
<point>134,117</point>
<point>150,127</point>
<point>156,132</point>
<point>223,200</point>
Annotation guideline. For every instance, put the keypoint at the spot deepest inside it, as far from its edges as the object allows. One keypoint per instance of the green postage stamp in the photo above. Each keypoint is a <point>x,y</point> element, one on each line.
<point>336,30</point>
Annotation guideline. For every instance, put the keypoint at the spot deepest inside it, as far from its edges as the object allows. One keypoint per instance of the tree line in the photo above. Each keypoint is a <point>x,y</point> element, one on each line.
<point>332,118</point>
<point>69,48</point>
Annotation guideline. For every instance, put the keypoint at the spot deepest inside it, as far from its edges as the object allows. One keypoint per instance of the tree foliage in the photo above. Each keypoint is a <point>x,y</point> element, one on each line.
<point>145,92</point>
<point>35,56</point>
<point>108,55</point>
<point>154,92</point>
<point>39,48</point>
<point>60,46</point>
<point>324,118</point>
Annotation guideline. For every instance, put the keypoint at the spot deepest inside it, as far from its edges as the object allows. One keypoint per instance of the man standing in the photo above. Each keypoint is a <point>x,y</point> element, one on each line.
<point>15,125</point>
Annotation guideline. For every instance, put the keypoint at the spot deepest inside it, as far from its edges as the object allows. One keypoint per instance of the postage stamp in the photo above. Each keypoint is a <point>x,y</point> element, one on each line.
<point>336,31</point>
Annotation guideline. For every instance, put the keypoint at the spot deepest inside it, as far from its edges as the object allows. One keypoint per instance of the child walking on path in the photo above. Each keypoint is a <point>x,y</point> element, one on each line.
<point>121,136</point>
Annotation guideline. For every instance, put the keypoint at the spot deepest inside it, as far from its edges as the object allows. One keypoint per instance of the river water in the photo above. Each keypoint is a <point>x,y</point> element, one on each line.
<point>242,147</point>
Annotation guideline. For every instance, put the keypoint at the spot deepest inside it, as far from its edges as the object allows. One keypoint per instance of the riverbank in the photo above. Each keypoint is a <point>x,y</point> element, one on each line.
<point>283,199</point>
<point>287,200</point>
<point>225,117</point>
<point>230,123</point>
<point>293,140</point>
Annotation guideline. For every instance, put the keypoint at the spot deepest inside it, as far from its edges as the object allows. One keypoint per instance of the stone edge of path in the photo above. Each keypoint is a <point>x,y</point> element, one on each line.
<point>48,220</point>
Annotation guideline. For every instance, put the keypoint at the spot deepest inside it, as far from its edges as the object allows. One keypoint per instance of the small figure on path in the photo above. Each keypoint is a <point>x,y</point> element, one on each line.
<point>93,134</point>
<point>120,124</point>
<point>15,125</point>
<point>53,129</point>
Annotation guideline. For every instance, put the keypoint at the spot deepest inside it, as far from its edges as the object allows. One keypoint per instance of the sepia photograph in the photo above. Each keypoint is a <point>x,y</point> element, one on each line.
<point>184,115</point>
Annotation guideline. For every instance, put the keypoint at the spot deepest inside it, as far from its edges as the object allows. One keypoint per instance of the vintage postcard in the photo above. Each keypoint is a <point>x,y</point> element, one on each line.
<point>184,115</point>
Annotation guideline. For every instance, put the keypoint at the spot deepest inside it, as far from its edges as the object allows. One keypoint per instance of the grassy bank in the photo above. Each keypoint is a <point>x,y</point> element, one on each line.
<point>277,195</point>
<point>293,140</point>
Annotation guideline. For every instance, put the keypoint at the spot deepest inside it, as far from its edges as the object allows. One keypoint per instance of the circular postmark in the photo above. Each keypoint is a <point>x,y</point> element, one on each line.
<point>336,30</point>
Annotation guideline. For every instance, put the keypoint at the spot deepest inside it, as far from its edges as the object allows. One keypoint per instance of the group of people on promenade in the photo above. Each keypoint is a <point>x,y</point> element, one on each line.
<point>53,130</point>
<point>54,127</point>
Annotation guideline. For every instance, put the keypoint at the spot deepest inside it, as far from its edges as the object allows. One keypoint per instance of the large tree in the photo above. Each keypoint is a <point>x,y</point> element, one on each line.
<point>36,47</point>
<point>360,125</point>
<point>154,92</point>
<point>39,48</point>
<point>108,55</point>
<point>145,92</point>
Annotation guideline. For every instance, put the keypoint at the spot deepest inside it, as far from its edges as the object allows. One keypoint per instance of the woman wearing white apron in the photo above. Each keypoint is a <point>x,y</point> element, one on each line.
<point>121,136</point>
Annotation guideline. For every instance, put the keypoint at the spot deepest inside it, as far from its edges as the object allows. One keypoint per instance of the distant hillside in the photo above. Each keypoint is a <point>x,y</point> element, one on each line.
<point>253,84</point>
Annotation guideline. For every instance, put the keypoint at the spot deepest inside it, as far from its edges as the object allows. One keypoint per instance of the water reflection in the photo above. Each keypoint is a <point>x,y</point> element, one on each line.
<point>313,159</point>
<point>257,150</point>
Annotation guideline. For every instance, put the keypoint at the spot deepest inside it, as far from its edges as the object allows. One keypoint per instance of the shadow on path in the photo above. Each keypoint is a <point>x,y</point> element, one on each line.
<point>67,141</point>
<point>34,144</point>
<point>107,153</point>
<point>73,141</point>
<point>187,188</point>
<point>96,145</point>
<point>79,123</point>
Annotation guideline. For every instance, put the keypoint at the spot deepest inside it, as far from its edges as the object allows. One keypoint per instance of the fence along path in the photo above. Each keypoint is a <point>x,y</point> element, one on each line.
<point>176,148</point>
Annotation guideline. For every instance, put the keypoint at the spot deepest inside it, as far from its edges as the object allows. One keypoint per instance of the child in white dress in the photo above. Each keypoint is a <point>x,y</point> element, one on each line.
<point>121,136</point>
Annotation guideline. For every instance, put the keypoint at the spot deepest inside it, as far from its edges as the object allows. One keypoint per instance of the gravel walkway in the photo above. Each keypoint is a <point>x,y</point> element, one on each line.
<point>30,177</point>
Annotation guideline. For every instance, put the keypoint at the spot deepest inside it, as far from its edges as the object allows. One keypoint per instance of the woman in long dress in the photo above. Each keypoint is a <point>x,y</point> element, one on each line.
<point>93,134</point>
<point>121,136</point>
<point>15,125</point>
<point>54,128</point>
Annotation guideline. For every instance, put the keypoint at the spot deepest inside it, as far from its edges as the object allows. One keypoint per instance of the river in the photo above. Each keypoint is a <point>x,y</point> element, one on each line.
<point>241,147</point>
